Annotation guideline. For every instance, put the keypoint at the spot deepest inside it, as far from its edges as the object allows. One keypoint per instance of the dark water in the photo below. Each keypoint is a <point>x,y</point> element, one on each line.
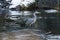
<point>12,29</point>
<point>19,20</point>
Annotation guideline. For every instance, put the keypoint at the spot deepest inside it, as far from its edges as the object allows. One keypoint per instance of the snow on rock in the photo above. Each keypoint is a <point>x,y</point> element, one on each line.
<point>51,11</point>
<point>21,3</point>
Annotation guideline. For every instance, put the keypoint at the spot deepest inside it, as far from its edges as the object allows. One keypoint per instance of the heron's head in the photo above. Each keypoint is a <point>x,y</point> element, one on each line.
<point>36,12</point>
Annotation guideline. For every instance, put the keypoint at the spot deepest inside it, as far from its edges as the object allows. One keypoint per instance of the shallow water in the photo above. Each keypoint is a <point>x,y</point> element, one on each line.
<point>25,34</point>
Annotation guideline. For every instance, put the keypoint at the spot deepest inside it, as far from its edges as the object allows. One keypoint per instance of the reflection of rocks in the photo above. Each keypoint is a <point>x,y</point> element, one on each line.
<point>12,26</point>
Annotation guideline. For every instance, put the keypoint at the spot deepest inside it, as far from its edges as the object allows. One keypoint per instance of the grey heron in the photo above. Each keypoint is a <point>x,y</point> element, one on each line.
<point>31,21</point>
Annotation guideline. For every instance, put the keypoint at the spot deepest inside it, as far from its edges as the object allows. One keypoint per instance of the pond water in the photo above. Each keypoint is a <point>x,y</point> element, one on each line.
<point>24,34</point>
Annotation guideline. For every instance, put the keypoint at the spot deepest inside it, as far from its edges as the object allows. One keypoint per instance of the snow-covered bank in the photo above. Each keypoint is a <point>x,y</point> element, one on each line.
<point>26,3</point>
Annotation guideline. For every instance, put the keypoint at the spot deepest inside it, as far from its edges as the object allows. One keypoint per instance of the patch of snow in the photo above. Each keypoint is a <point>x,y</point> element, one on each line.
<point>21,3</point>
<point>15,12</point>
<point>51,11</point>
<point>0,3</point>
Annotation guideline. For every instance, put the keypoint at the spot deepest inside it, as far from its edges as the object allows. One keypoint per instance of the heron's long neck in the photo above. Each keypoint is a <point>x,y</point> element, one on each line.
<point>34,19</point>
